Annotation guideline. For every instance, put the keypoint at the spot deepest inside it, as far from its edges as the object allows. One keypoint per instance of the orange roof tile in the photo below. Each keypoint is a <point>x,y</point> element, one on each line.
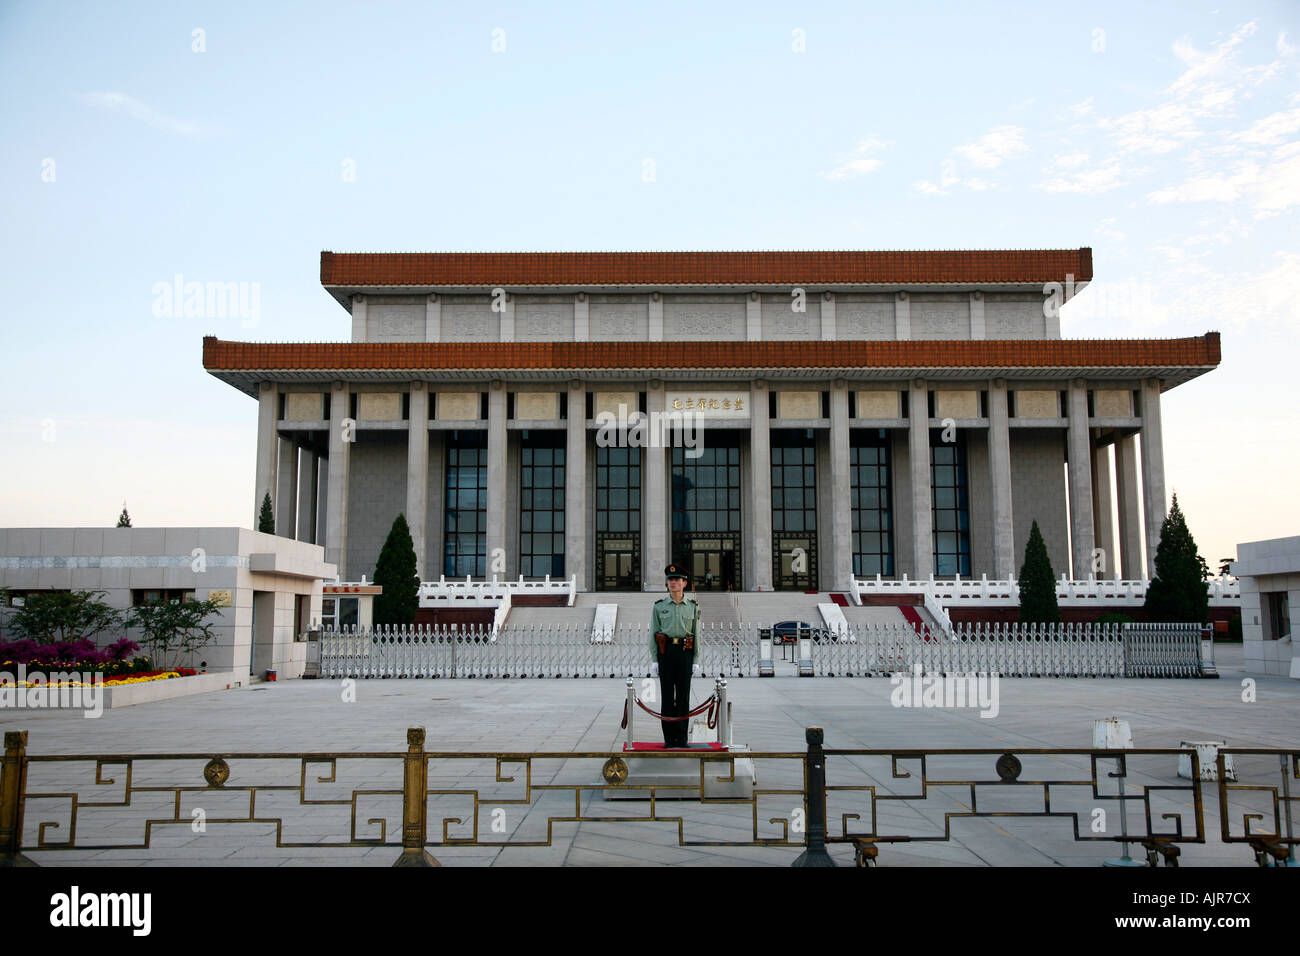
<point>1199,351</point>
<point>428,269</point>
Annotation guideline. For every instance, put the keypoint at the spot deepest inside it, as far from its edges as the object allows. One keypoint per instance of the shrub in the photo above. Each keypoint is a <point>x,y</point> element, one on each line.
<point>1037,583</point>
<point>64,616</point>
<point>1178,593</point>
<point>396,572</point>
<point>174,629</point>
<point>79,655</point>
<point>266,518</point>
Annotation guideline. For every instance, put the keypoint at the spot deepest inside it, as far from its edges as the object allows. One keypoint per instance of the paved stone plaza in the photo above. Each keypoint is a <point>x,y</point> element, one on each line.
<point>584,715</point>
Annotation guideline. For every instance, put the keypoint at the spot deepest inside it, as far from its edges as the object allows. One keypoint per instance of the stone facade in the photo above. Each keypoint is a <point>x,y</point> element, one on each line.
<point>1036,433</point>
<point>1269,572</point>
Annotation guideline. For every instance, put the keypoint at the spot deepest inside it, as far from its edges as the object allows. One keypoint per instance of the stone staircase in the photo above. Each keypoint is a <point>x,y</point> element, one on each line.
<point>765,608</point>
<point>531,617</point>
<point>716,607</point>
<point>878,615</point>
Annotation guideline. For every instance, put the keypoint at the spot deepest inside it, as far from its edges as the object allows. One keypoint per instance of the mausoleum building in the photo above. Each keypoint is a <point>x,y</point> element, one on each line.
<point>846,414</point>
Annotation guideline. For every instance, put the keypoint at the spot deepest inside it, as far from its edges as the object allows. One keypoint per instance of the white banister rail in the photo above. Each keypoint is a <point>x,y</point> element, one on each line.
<point>468,592</point>
<point>499,618</point>
<point>936,611</point>
<point>1223,591</point>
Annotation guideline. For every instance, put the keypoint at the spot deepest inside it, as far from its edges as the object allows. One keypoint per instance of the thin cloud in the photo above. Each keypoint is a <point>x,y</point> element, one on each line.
<point>1202,66</point>
<point>1271,130</point>
<point>130,106</point>
<point>1106,229</point>
<point>861,164</point>
<point>1000,143</point>
<point>1098,179</point>
<point>854,167</point>
<point>1271,188</point>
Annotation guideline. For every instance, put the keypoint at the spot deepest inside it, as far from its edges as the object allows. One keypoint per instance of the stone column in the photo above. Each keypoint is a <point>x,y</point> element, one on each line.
<point>358,318</point>
<point>918,435</point>
<point>1153,469</point>
<point>1004,542</point>
<point>977,315</point>
<point>496,477</point>
<point>307,496</point>
<point>656,317</point>
<point>322,500</point>
<point>841,498</point>
<point>1102,513</point>
<point>342,435</point>
<point>417,475</point>
<point>759,557</point>
<point>829,326</point>
<point>432,318</point>
<point>581,318</point>
<point>1080,475</point>
<point>753,317</point>
<point>268,410</point>
<point>286,499</point>
<point>655,515</point>
<point>508,319</point>
<point>903,324</point>
<point>1130,508</point>
<point>575,486</point>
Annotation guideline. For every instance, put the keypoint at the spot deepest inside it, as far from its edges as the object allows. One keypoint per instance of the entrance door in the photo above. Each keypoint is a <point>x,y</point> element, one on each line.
<point>794,562</point>
<point>262,633</point>
<point>618,566</point>
<point>713,564</point>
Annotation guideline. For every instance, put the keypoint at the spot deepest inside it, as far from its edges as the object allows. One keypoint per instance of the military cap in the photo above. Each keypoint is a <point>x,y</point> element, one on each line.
<point>676,571</point>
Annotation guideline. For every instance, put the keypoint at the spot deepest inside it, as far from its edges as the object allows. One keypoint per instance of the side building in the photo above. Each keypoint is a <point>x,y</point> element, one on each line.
<point>271,587</point>
<point>864,413</point>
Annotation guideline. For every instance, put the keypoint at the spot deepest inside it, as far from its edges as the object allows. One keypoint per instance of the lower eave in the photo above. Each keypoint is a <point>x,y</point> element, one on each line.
<point>246,364</point>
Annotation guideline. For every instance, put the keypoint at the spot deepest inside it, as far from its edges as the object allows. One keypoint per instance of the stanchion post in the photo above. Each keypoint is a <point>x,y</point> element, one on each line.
<point>414,825</point>
<point>724,729</point>
<point>815,803</point>
<point>631,711</point>
<point>13,783</point>
<point>1285,758</point>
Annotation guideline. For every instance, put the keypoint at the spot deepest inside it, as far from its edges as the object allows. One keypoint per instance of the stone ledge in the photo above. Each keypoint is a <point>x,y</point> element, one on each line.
<point>128,695</point>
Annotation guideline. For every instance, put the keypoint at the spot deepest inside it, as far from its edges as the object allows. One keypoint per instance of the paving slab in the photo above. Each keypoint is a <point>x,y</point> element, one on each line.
<point>568,717</point>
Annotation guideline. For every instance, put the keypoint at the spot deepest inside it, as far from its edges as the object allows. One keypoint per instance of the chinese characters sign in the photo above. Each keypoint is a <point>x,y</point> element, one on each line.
<point>708,403</point>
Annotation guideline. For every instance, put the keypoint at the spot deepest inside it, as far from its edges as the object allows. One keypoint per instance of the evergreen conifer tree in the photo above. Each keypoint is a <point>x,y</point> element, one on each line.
<point>396,572</point>
<point>124,519</point>
<point>266,520</point>
<point>1178,593</point>
<point>1037,583</point>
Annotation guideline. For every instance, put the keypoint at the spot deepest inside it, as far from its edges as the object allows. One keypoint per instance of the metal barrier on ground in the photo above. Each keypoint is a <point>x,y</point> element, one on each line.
<point>731,650</point>
<point>415,800</point>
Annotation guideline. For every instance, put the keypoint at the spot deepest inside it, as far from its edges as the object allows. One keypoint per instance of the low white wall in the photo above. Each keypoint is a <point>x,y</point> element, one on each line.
<point>128,695</point>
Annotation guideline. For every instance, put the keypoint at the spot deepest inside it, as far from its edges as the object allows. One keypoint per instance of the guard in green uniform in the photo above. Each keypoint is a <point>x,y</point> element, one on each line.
<point>675,624</point>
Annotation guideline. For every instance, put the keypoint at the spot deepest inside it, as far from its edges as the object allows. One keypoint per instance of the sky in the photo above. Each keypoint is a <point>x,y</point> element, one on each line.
<point>231,143</point>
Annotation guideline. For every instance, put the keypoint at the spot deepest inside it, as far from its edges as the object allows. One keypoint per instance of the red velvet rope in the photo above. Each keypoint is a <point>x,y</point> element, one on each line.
<point>710,704</point>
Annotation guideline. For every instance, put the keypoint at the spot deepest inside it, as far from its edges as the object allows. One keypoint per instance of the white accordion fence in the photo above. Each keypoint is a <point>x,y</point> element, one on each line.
<point>1010,650</point>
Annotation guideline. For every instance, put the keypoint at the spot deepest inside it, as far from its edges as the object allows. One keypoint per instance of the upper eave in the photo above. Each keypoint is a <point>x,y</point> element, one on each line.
<point>246,364</point>
<point>345,273</point>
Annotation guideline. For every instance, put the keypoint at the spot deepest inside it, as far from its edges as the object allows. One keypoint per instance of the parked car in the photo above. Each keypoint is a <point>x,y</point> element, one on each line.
<point>789,632</point>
